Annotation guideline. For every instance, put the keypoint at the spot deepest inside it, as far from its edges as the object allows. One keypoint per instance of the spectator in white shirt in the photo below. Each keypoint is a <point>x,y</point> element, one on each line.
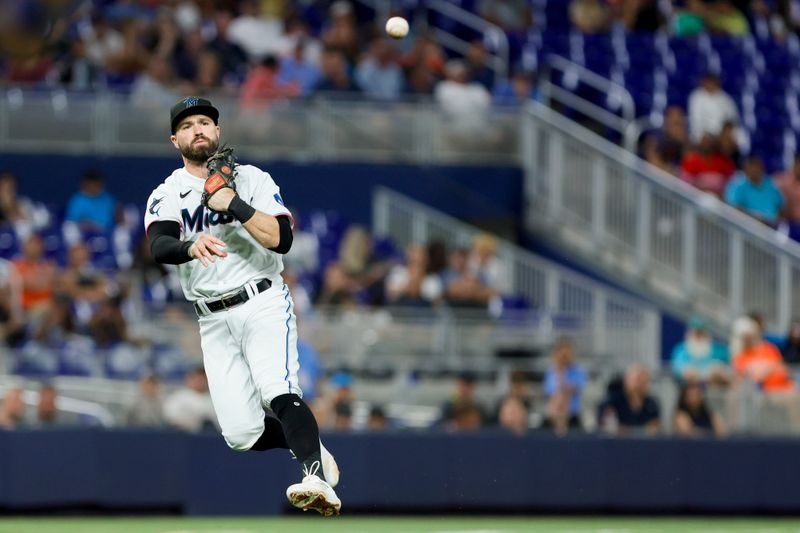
<point>710,108</point>
<point>190,408</point>
<point>411,283</point>
<point>464,102</point>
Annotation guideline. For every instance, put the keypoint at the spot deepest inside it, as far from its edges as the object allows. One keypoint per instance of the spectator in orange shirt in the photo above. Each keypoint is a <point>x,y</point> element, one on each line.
<point>759,360</point>
<point>263,84</point>
<point>38,275</point>
<point>706,168</point>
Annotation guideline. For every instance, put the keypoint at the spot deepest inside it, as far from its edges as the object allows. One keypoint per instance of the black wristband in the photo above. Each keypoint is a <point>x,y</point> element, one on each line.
<point>241,210</point>
<point>185,248</point>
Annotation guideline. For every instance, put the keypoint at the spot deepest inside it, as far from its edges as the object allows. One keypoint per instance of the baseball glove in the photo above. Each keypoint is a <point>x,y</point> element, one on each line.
<point>221,173</point>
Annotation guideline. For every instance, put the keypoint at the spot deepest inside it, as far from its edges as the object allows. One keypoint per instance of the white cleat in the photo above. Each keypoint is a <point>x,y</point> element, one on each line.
<point>329,467</point>
<point>313,493</point>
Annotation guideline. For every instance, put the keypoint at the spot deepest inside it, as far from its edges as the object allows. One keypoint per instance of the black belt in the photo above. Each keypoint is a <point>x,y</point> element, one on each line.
<point>229,300</point>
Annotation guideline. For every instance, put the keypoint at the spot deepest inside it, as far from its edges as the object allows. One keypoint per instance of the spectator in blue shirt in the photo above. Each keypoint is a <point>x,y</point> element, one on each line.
<point>295,68</point>
<point>754,192</point>
<point>699,357</point>
<point>92,205</point>
<point>517,90</point>
<point>378,74</point>
<point>563,384</point>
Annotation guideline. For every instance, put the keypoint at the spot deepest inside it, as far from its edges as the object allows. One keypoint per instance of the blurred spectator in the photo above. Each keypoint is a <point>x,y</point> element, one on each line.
<point>262,85</point>
<point>631,409</point>
<point>689,19</point>
<point>296,68</point>
<point>411,284</point>
<point>693,417</point>
<point>465,103</point>
<point>190,407</point>
<point>335,77</point>
<point>342,416</point>
<point>257,33</point>
<point>334,408</point>
<point>483,261</point>
<point>101,39</point>
<point>341,33</point>
<point>640,15</point>
<point>186,55</point>
<point>124,64</point>
<point>517,90</point>
<point>699,357</point>
<point>80,280</point>
<point>514,16</point>
<point>791,348</point>
<point>232,58</point>
<point>462,287</point>
<point>513,415</point>
<point>590,16</point>
<point>462,411</point>
<point>147,409</point>
<point>12,319</point>
<point>12,413</point>
<point>666,148</point>
<point>75,70</point>
<point>758,360</point>
<point>362,265</point>
<point>424,63</point>
<point>18,210</point>
<point>47,413</point>
<point>710,108</point>
<point>377,419</point>
<point>563,384</point>
<point>706,168</point>
<point>107,325</point>
<point>55,325</point>
<point>303,258</point>
<point>788,182</point>
<point>208,79</point>
<point>337,289</point>
<point>155,88</point>
<point>519,387</point>
<point>477,61</point>
<point>92,205</point>
<point>38,274</point>
<point>724,18</point>
<point>437,257</point>
<point>728,145</point>
<point>754,192</point>
<point>378,74</point>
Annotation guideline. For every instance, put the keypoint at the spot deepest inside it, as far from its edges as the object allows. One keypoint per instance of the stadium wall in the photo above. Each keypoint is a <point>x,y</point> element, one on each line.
<point>197,475</point>
<point>489,195</point>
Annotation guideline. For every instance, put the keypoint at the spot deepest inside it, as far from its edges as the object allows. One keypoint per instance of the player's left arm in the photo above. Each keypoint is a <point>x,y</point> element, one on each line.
<point>271,231</point>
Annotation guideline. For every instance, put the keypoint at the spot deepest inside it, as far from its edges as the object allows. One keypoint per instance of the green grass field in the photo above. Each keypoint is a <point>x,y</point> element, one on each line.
<point>317,524</point>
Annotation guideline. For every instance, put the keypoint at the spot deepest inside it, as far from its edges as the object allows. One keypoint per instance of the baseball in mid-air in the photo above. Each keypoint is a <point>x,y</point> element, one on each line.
<point>397,27</point>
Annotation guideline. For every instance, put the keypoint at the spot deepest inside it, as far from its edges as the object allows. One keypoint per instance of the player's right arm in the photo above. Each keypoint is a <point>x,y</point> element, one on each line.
<point>162,222</point>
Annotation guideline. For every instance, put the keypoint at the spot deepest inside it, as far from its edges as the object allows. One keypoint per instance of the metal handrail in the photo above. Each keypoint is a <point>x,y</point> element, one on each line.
<point>662,179</point>
<point>549,90</point>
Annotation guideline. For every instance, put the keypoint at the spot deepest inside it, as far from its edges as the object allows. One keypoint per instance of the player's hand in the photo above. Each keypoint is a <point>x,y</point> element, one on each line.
<point>221,199</point>
<point>206,248</point>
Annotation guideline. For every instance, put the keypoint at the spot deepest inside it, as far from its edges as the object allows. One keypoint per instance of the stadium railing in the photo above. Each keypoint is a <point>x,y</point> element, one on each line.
<point>694,252</point>
<point>605,322</point>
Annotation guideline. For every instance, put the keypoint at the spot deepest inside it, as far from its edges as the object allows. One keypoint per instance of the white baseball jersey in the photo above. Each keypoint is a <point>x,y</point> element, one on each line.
<point>249,350</point>
<point>178,199</point>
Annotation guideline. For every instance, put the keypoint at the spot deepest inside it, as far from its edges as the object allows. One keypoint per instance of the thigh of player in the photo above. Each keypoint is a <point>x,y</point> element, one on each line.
<point>269,341</point>
<point>236,399</point>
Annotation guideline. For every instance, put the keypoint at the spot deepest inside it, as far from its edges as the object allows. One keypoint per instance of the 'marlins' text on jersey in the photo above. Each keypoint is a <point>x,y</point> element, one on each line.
<point>200,218</point>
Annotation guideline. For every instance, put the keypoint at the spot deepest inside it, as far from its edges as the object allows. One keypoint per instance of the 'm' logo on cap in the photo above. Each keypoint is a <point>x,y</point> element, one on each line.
<point>190,102</point>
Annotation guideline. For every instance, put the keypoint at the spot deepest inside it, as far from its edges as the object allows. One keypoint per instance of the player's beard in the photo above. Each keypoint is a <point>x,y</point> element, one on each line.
<point>200,154</point>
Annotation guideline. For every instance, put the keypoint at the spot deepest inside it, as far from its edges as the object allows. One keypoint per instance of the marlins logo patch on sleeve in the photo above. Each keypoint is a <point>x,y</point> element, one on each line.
<point>278,198</point>
<point>154,204</point>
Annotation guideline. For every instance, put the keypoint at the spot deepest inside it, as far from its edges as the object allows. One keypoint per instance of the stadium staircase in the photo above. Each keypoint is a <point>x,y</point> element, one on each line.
<point>650,232</point>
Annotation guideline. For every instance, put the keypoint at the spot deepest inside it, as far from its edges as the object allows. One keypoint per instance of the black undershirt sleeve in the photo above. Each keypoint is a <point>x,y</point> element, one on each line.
<point>166,245</point>
<point>285,244</point>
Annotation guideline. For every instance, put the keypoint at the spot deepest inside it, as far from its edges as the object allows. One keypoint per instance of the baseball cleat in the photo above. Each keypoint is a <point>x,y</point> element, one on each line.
<point>329,467</point>
<point>313,493</point>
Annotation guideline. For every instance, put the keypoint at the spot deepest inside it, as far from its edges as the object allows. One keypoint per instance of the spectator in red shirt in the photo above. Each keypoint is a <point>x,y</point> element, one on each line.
<point>262,85</point>
<point>706,168</point>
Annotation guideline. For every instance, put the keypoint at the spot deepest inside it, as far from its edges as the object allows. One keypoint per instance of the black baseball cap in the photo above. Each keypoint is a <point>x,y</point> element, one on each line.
<point>192,105</point>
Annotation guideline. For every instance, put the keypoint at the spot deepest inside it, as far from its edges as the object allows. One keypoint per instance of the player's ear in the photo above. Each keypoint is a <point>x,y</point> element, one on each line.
<point>218,131</point>
<point>174,141</point>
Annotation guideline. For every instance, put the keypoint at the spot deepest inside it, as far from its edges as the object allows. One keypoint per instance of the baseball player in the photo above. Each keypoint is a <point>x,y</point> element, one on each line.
<point>226,227</point>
